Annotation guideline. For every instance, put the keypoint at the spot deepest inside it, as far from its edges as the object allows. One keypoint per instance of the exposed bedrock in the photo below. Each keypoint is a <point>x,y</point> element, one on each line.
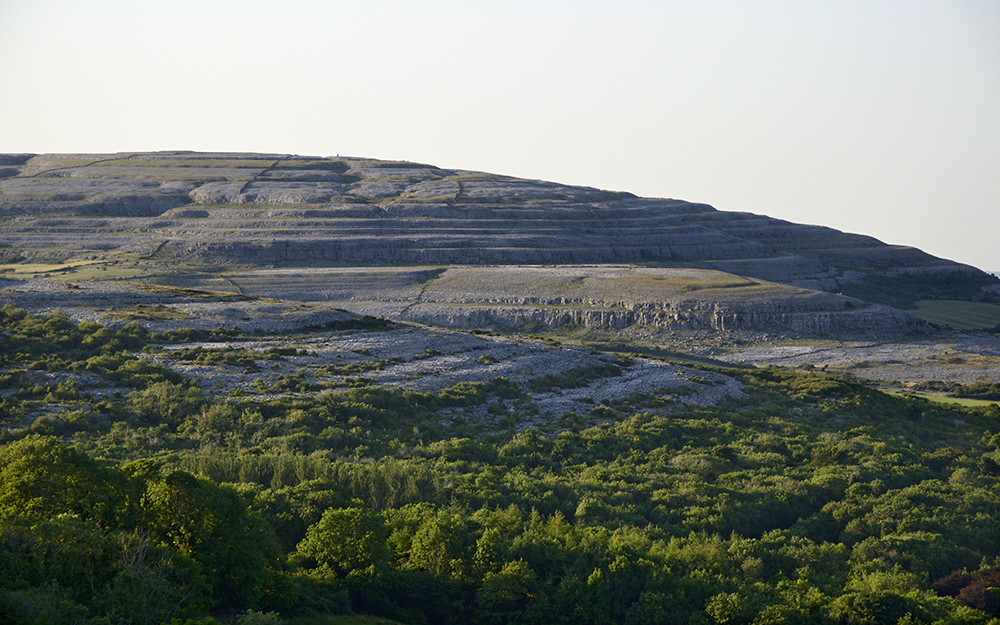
<point>609,296</point>
<point>15,159</point>
<point>267,210</point>
<point>875,320</point>
<point>457,248</point>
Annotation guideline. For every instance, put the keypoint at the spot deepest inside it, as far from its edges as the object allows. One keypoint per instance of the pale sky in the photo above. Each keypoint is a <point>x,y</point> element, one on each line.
<point>875,117</point>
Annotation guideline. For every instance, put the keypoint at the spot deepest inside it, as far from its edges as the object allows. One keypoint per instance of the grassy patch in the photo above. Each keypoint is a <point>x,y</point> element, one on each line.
<point>961,401</point>
<point>908,291</point>
<point>959,314</point>
<point>579,376</point>
<point>941,399</point>
<point>597,340</point>
<point>41,164</point>
<point>625,346</point>
<point>355,368</point>
<point>34,269</point>
<point>192,293</point>
<point>977,390</point>
<point>188,163</point>
<point>228,356</point>
<point>158,312</point>
<point>111,267</point>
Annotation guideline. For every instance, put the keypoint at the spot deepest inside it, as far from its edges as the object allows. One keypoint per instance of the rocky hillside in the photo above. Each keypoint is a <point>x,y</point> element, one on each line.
<point>596,296</point>
<point>179,217</point>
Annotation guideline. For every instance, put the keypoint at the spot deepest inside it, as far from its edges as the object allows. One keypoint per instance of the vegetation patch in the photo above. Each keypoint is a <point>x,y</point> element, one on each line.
<point>959,314</point>
<point>808,500</point>
<point>907,291</point>
<point>159,312</point>
<point>977,390</point>
<point>227,356</point>
<point>355,368</point>
<point>30,270</point>
<point>958,401</point>
<point>191,293</point>
<point>579,377</point>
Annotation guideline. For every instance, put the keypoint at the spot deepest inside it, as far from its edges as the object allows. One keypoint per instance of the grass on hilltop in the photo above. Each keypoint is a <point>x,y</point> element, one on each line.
<point>33,270</point>
<point>959,314</point>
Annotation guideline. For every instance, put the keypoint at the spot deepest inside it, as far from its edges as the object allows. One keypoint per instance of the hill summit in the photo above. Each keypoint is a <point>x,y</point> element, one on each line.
<point>383,234</point>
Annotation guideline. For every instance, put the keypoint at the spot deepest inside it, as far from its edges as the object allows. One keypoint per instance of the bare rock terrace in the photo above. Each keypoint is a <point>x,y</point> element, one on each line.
<point>449,247</point>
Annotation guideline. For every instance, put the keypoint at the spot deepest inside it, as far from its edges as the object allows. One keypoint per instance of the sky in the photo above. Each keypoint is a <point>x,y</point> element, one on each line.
<point>879,117</point>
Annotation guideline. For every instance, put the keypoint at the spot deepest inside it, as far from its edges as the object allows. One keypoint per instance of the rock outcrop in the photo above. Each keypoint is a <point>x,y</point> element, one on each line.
<point>268,209</point>
<point>597,296</point>
<point>255,211</point>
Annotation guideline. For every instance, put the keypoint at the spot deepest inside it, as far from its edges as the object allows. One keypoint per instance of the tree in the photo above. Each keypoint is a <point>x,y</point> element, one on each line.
<point>152,584</point>
<point>346,540</point>
<point>164,402</point>
<point>213,526</point>
<point>506,594</point>
<point>39,476</point>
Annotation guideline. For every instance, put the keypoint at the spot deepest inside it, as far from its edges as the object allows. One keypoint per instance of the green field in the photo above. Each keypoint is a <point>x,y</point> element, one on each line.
<point>31,270</point>
<point>959,314</point>
<point>942,399</point>
<point>961,401</point>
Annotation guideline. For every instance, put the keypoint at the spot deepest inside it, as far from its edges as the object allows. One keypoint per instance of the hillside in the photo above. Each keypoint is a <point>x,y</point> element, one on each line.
<point>242,389</point>
<point>434,476</point>
<point>225,221</point>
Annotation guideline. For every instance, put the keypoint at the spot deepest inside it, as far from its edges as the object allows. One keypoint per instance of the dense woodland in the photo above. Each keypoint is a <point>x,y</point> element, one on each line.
<point>808,500</point>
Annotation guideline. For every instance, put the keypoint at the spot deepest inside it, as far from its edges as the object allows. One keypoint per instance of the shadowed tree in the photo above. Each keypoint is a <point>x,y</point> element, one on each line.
<point>346,540</point>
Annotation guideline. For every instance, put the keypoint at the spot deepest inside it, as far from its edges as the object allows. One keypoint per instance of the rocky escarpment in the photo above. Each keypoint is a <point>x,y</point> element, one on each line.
<point>159,308</point>
<point>281,210</point>
<point>870,321</point>
<point>595,296</point>
<point>179,217</point>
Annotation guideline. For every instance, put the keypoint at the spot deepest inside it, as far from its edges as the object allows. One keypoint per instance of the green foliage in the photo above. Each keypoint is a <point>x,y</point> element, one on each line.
<point>33,604</point>
<point>976,390</point>
<point>808,500</point>
<point>574,378</point>
<point>40,477</point>
<point>346,541</point>
<point>904,291</point>
<point>506,594</point>
<point>164,402</point>
<point>465,394</point>
<point>224,356</point>
<point>212,525</point>
<point>290,510</point>
<point>189,335</point>
<point>259,618</point>
<point>125,543</point>
<point>964,315</point>
<point>121,368</point>
<point>28,337</point>
<point>357,368</point>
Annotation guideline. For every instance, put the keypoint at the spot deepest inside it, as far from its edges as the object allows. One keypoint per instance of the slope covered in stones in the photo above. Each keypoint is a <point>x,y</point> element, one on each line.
<point>182,218</point>
<point>596,296</point>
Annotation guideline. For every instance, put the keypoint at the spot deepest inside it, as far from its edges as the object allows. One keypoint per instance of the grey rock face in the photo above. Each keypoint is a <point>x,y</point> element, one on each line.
<point>273,210</point>
<point>876,320</point>
<point>357,211</point>
<point>15,159</point>
<point>598,296</point>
